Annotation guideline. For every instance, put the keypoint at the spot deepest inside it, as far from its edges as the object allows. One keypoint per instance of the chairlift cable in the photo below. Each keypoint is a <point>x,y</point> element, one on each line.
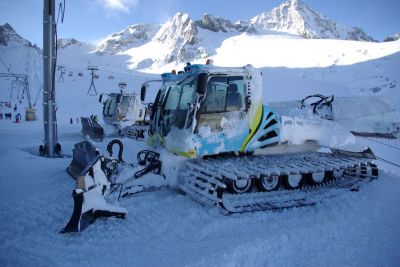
<point>382,143</point>
<point>388,162</point>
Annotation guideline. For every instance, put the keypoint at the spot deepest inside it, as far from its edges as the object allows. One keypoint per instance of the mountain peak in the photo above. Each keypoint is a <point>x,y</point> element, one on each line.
<point>8,35</point>
<point>215,24</point>
<point>295,17</point>
<point>179,34</point>
<point>65,42</point>
<point>295,3</point>
<point>7,27</point>
<point>180,26</point>
<point>392,38</point>
<point>131,36</point>
<point>218,24</point>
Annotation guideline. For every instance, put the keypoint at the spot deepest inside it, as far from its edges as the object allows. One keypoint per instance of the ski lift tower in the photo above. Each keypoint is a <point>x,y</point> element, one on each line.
<point>61,69</point>
<point>49,94</point>
<point>94,76</point>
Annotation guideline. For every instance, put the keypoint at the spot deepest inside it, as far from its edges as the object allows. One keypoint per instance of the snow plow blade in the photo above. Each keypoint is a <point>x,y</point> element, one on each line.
<point>83,215</point>
<point>92,128</point>
<point>84,155</point>
<point>93,186</point>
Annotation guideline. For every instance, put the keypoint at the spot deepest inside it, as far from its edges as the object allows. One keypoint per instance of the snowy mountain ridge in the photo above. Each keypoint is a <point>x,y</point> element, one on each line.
<point>9,36</point>
<point>217,24</point>
<point>19,56</point>
<point>392,38</point>
<point>295,17</point>
<point>131,36</point>
<point>181,37</point>
<point>63,43</point>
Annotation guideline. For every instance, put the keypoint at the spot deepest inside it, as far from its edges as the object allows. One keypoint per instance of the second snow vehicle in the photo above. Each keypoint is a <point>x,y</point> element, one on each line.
<point>240,161</point>
<point>121,110</point>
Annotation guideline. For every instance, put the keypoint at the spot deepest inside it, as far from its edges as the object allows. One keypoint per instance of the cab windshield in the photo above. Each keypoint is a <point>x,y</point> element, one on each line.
<point>110,106</point>
<point>180,99</point>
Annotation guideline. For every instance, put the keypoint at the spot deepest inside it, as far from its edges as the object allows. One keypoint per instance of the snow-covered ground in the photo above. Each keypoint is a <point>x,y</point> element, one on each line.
<point>166,228</point>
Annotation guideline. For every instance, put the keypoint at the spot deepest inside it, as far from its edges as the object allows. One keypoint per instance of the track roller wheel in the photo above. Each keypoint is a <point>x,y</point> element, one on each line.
<point>316,177</point>
<point>293,181</point>
<point>268,183</point>
<point>336,174</point>
<point>240,186</point>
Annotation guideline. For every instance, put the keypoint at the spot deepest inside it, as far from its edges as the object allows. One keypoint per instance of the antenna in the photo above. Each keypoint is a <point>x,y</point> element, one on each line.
<point>61,69</point>
<point>94,76</point>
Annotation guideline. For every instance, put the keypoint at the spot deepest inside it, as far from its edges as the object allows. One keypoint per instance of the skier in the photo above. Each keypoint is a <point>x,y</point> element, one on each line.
<point>18,118</point>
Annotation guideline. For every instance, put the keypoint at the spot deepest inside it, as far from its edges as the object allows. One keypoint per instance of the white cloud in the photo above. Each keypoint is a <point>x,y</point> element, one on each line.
<point>118,5</point>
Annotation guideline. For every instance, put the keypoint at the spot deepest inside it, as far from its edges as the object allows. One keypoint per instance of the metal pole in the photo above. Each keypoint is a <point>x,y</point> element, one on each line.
<point>49,57</point>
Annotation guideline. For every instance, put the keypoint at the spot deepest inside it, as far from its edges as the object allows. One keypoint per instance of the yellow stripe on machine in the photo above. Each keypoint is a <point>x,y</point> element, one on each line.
<point>255,123</point>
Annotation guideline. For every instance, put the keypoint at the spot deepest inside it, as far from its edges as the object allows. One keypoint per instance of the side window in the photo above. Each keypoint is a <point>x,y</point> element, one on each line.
<point>224,94</point>
<point>235,94</point>
<point>188,95</point>
<point>173,98</point>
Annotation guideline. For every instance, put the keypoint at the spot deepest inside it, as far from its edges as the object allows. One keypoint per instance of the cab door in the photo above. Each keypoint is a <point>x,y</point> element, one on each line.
<point>222,121</point>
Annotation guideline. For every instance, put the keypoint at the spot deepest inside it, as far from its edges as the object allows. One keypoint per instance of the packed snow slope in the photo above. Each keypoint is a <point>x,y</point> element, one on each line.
<point>292,68</point>
<point>165,228</point>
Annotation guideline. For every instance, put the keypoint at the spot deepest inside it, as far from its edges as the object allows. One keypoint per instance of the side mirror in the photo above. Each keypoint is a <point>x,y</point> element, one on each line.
<point>119,96</point>
<point>143,92</point>
<point>202,83</point>
<point>101,98</point>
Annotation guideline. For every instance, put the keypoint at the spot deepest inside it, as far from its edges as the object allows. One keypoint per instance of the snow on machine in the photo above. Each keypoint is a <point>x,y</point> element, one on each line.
<point>367,116</point>
<point>223,147</point>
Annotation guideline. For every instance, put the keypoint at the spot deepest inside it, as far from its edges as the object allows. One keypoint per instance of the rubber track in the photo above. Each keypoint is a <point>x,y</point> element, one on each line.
<point>205,180</point>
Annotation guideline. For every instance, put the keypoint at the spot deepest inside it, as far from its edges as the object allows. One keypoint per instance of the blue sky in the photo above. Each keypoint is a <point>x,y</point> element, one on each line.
<point>92,20</point>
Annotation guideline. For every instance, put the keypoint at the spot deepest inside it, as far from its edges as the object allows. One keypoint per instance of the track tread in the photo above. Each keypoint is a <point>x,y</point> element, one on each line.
<point>205,180</point>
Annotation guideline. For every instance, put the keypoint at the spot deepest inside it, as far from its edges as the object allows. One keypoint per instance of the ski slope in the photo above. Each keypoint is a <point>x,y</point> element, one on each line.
<point>166,228</point>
